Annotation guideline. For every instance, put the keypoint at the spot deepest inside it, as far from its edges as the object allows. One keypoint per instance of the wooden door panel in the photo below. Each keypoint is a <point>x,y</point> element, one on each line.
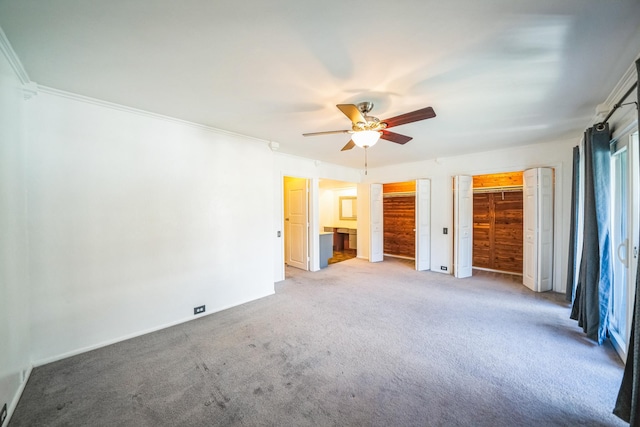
<point>399,225</point>
<point>497,231</point>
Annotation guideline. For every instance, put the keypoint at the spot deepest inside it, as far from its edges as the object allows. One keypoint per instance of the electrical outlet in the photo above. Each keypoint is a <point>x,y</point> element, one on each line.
<point>3,414</point>
<point>443,267</point>
<point>198,310</point>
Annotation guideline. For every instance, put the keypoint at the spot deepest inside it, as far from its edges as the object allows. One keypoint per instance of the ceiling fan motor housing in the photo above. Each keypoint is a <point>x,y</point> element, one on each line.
<point>365,107</point>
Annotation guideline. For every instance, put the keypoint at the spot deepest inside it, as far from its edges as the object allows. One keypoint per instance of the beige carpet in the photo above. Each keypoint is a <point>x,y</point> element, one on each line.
<point>356,344</point>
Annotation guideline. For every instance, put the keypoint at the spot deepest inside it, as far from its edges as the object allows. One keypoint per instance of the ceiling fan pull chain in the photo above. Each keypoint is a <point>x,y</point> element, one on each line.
<point>365,159</point>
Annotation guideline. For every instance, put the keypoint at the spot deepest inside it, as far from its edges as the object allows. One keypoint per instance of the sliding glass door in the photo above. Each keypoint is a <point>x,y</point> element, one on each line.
<point>625,228</point>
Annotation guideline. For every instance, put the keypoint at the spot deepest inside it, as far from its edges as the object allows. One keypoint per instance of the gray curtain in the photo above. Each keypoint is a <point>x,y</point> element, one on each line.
<point>627,402</point>
<point>591,302</point>
<point>573,235</point>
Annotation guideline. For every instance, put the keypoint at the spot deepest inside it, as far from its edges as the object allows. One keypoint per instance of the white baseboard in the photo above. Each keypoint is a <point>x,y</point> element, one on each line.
<point>400,257</point>
<point>65,355</point>
<point>16,398</point>
<point>497,271</point>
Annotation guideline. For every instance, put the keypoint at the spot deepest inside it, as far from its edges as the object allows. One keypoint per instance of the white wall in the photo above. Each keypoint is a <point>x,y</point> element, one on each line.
<point>330,207</point>
<point>14,290</point>
<point>327,207</point>
<point>135,219</point>
<point>554,154</point>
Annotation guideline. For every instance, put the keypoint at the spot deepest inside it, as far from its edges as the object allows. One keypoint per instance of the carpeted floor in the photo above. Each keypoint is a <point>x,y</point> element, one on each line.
<point>356,344</point>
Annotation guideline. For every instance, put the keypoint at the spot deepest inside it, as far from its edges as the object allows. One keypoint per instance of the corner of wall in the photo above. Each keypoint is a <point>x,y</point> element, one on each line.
<point>15,323</point>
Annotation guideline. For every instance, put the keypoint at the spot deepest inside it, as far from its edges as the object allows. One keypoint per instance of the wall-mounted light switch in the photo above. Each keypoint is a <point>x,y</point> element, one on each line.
<point>279,233</point>
<point>445,230</point>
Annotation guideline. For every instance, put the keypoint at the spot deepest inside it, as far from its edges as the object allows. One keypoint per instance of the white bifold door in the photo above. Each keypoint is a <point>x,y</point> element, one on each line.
<point>537,272</point>
<point>376,231</point>
<point>423,224</point>
<point>463,226</point>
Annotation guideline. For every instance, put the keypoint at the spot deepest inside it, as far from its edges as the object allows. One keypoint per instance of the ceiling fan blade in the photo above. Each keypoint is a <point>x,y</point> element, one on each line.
<point>395,137</point>
<point>414,116</point>
<point>352,111</point>
<point>329,132</point>
<point>349,145</point>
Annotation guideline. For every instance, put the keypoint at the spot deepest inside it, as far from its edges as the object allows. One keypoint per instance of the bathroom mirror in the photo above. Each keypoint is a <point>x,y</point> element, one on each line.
<point>348,207</point>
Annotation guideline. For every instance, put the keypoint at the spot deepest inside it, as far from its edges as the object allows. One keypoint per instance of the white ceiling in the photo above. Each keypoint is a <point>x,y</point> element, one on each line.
<point>497,72</point>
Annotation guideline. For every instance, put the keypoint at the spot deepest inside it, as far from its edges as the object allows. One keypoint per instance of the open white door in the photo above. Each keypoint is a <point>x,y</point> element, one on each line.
<point>463,226</point>
<point>296,223</point>
<point>538,229</point>
<point>530,209</point>
<point>376,241</point>
<point>423,224</point>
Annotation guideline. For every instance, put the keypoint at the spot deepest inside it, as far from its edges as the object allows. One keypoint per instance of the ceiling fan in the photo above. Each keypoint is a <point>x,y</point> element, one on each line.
<point>366,130</point>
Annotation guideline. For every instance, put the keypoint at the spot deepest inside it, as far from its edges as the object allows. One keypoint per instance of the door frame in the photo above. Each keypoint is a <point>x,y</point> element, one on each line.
<point>313,240</point>
<point>559,219</point>
<point>630,133</point>
<point>422,252</point>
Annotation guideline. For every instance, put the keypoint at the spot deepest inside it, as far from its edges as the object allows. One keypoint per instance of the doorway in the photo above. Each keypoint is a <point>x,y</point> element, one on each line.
<point>406,219</point>
<point>399,216</point>
<point>534,217</point>
<point>498,222</point>
<point>488,223</point>
<point>338,221</point>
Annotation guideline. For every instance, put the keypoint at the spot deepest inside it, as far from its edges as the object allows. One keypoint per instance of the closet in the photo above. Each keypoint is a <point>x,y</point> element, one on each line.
<point>498,222</point>
<point>399,213</point>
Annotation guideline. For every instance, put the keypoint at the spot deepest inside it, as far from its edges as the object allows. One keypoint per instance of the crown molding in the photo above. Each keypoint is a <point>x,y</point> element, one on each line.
<point>626,81</point>
<point>14,61</point>
<point>131,110</point>
<point>628,78</point>
<point>29,88</point>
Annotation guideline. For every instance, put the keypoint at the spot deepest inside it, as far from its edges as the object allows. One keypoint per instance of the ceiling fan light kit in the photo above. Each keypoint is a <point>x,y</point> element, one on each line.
<point>366,138</point>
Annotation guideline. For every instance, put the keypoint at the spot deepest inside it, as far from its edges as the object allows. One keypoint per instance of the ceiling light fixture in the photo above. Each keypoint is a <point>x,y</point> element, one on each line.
<point>366,138</point>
